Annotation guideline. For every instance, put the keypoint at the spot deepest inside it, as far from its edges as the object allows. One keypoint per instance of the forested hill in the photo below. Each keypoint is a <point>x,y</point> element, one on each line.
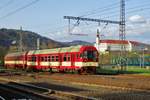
<point>9,38</point>
<point>9,41</point>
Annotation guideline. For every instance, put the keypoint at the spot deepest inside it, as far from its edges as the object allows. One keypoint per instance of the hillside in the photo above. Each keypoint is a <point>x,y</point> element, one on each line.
<point>77,42</point>
<point>9,41</point>
<point>9,38</point>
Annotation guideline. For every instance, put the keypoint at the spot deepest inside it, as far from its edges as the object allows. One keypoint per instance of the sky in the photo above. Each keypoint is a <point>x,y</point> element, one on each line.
<point>45,17</point>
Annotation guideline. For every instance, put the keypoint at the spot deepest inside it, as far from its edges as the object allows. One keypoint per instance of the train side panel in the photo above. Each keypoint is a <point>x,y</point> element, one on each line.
<point>16,60</point>
<point>74,58</point>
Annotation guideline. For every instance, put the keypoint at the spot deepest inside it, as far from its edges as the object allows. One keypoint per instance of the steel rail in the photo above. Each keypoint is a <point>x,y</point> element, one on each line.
<point>28,93</point>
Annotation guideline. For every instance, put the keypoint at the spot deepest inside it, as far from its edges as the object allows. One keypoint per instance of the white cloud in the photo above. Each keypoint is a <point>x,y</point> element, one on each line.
<point>137,28</point>
<point>137,19</point>
<point>76,30</point>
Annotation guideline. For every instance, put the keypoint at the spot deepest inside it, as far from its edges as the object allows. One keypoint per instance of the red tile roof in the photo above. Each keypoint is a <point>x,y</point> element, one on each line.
<point>122,42</point>
<point>114,41</point>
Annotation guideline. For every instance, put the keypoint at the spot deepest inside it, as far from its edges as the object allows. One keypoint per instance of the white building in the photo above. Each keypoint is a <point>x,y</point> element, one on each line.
<point>115,45</point>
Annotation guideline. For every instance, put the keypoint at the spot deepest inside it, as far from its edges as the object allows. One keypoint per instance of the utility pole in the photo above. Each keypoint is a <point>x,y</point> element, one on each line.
<point>38,43</point>
<point>20,41</point>
<point>122,35</point>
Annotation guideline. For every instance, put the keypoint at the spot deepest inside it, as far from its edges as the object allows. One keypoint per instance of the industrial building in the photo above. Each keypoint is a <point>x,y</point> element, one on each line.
<point>115,45</point>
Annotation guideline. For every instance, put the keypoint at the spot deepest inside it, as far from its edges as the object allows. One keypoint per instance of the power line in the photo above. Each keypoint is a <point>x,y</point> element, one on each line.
<point>114,15</point>
<point>101,8</point>
<point>114,12</point>
<point>128,12</point>
<point>19,9</point>
<point>6,4</point>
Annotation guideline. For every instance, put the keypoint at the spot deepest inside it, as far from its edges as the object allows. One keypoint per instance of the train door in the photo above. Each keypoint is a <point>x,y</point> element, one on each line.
<point>73,61</point>
<point>38,61</point>
<point>25,60</point>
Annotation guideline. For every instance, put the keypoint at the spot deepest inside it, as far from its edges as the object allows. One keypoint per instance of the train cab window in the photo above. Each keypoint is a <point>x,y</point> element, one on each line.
<point>65,58</point>
<point>81,55</point>
<point>85,54</point>
<point>49,58</point>
<point>53,58</point>
<point>56,58</point>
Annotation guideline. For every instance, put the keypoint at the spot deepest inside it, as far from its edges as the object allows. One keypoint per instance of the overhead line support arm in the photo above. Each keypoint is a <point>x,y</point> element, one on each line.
<point>91,19</point>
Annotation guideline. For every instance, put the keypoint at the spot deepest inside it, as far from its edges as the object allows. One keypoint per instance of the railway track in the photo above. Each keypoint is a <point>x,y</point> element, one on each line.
<point>106,92</point>
<point>24,93</point>
<point>28,91</point>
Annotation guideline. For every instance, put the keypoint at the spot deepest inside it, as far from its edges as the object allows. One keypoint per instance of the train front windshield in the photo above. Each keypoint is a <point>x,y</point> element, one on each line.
<point>90,55</point>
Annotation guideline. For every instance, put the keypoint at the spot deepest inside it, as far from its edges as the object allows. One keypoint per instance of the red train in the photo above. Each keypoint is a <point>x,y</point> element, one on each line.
<point>74,58</point>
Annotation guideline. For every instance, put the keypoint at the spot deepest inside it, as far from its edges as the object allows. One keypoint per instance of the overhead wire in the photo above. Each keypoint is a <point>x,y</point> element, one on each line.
<point>137,10</point>
<point>19,9</point>
<point>92,11</point>
<point>115,13</point>
<point>131,10</point>
<point>102,9</point>
<point>6,4</point>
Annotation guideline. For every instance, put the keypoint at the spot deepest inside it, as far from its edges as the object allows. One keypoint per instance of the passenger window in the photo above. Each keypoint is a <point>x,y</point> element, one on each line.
<point>65,58</point>
<point>69,58</point>
<point>45,59</point>
<point>42,58</point>
<point>49,58</point>
<point>33,58</point>
<point>56,58</point>
<point>53,58</point>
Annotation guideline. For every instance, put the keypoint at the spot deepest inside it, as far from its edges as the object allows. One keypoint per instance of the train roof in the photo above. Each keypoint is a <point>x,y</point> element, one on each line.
<point>15,54</point>
<point>56,50</point>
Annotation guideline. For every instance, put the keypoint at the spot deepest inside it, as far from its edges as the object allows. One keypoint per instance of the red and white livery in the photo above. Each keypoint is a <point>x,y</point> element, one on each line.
<point>74,58</point>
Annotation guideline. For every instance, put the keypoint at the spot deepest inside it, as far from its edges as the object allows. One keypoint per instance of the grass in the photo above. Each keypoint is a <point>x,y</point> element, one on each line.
<point>2,70</point>
<point>130,70</point>
<point>138,70</point>
<point>108,70</point>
